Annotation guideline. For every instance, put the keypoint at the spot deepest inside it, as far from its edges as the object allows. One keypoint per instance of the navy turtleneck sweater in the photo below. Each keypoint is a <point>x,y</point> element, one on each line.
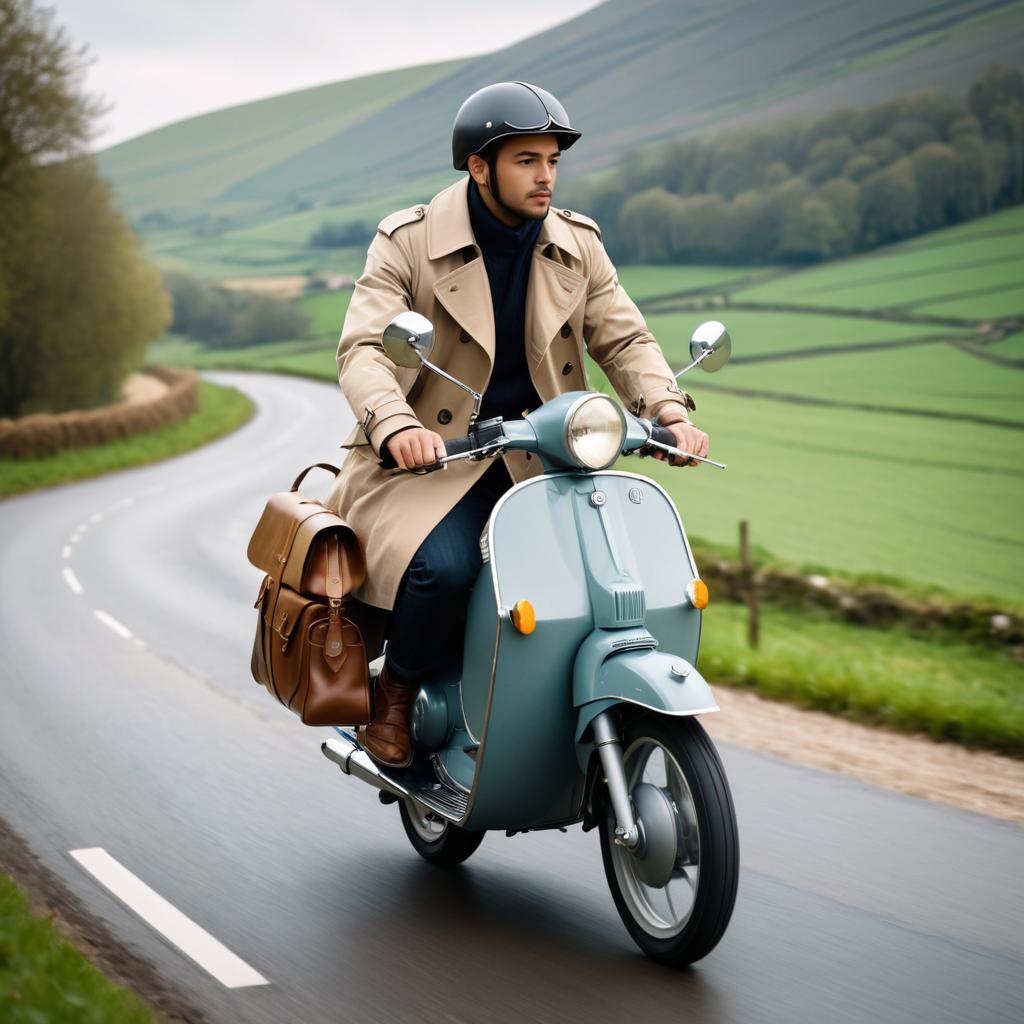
<point>507,254</point>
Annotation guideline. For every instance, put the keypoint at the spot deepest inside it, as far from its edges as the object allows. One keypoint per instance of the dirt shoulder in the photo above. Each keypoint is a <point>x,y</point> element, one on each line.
<point>944,772</point>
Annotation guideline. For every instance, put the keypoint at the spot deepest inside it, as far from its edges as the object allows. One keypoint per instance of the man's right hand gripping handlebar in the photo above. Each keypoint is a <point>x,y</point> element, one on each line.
<point>413,448</point>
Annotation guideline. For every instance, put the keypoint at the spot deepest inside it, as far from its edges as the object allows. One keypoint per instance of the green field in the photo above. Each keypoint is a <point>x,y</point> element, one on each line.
<point>882,461</point>
<point>974,270</point>
<point>948,690</point>
<point>758,334</point>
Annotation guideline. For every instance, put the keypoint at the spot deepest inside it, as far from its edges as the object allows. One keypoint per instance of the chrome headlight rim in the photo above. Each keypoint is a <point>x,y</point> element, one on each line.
<point>570,416</point>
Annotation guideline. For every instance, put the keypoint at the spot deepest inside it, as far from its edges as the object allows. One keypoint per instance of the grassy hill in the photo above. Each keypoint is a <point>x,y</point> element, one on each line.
<point>863,442</point>
<point>239,191</point>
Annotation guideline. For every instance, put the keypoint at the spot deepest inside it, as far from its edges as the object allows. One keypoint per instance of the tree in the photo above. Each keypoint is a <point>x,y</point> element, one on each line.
<point>701,229</point>
<point>810,233</point>
<point>935,176</point>
<point>78,303</point>
<point>828,157</point>
<point>90,304</point>
<point>888,205</point>
<point>645,224</point>
<point>843,199</point>
<point>43,113</point>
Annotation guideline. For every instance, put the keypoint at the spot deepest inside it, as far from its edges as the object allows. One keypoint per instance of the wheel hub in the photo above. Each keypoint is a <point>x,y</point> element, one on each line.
<point>655,854</point>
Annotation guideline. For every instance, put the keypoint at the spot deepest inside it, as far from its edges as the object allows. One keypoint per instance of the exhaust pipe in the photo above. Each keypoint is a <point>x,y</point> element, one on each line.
<point>353,760</point>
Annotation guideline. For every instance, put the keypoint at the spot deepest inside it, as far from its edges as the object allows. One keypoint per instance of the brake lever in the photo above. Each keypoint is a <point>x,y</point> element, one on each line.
<point>651,443</point>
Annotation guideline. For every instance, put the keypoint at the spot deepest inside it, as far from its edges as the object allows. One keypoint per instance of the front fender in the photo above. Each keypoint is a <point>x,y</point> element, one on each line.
<point>664,683</point>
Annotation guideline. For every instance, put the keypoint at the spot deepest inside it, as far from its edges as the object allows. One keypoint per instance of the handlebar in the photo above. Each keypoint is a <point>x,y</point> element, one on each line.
<point>662,435</point>
<point>456,446</point>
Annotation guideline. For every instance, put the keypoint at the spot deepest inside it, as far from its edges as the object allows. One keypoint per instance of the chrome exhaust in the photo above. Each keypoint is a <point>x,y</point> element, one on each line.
<point>353,760</point>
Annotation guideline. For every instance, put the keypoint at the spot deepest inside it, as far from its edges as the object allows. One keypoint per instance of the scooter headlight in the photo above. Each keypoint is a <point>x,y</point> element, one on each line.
<point>595,431</point>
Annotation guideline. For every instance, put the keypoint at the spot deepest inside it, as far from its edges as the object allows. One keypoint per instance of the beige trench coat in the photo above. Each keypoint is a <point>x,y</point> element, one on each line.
<point>425,258</point>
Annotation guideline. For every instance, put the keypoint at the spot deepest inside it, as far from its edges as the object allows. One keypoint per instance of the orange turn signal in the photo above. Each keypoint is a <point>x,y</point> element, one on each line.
<point>697,592</point>
<point>524,618</point>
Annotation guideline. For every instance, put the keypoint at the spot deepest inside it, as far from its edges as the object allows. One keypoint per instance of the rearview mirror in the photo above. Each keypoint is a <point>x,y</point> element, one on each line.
<point>710,346</point>
<point>408,339</point>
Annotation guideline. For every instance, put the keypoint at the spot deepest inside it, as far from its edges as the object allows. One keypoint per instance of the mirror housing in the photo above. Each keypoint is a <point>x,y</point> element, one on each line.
<point>408,339</point>
<point>710,346</point>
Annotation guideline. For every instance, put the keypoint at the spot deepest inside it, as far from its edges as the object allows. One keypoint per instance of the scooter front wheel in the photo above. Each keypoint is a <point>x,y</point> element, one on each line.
<point>675,892</point>
<point>435,839</point>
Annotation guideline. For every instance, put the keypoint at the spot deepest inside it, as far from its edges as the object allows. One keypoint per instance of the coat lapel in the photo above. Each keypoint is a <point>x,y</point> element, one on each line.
<point>466,295</point>
<point>553,293</point>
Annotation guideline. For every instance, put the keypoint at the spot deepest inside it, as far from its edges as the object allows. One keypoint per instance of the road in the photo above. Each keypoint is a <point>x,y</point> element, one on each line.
<point>139,731</point>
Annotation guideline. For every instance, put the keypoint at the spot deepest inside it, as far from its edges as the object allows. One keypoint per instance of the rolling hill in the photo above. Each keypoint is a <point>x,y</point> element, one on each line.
<point>632,72</point>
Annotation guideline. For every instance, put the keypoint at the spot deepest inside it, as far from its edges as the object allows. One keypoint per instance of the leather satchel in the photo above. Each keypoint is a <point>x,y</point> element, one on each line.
<point>308,653</point>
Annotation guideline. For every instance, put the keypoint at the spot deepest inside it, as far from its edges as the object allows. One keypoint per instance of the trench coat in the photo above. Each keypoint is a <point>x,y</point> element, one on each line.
<point>425,258</point>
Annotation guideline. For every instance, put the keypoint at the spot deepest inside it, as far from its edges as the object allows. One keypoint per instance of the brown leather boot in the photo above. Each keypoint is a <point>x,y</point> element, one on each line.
<point>386,739</point>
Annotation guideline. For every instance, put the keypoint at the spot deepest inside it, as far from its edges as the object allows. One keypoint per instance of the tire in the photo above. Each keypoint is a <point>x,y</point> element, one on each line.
<point>677,764</point>
<point>437,841</point>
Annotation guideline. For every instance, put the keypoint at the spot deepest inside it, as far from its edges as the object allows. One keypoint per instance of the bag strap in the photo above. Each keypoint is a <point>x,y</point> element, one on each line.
<point>316,465</point>
<point>334,646</point>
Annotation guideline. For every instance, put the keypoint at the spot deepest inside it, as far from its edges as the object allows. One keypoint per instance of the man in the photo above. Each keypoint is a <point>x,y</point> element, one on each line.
<point>514,289</point>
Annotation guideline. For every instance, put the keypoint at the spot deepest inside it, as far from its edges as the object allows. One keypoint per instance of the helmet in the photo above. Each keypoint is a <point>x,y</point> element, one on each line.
<point>507,108</point>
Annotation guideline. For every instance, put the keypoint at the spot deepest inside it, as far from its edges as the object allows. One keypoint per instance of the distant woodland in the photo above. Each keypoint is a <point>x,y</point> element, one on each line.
<point>800,193</point>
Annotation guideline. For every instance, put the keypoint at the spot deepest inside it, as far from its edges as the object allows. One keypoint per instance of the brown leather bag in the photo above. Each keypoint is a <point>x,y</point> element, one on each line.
<point>307,652</point>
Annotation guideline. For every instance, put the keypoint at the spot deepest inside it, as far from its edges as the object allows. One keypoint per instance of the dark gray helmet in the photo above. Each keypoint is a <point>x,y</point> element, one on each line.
<point>507,108</point>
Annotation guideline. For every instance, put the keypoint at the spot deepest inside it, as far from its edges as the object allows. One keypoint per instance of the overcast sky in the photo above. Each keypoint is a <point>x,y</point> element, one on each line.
<point>158,61</point>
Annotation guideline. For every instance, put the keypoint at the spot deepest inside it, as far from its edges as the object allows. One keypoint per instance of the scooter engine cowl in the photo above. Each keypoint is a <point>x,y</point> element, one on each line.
<point>429,719</point>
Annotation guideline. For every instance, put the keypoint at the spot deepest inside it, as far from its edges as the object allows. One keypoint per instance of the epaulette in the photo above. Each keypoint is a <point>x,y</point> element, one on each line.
<point>578,218</point>
<point>390,224</point>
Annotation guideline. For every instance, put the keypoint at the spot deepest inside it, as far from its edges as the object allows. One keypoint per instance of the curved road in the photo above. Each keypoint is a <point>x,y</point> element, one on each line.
<point>129,722</point>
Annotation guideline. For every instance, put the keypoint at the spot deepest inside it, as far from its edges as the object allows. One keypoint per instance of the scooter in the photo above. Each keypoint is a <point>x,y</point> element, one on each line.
<point>578,697</point>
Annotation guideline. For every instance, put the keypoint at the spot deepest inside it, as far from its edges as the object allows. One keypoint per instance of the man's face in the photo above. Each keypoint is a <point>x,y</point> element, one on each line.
<point>526,167</point>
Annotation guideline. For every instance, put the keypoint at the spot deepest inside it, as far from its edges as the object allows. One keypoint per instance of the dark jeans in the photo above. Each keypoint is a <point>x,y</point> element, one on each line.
<point>430,610</point>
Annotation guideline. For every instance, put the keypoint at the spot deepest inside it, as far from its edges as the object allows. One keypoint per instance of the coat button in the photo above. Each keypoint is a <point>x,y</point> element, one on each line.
<point>567,213</point>
<point>464,337</point>
<point>567,369</point>
<point>444,416</point>
<point>419,211</point>
<point>566,330</point>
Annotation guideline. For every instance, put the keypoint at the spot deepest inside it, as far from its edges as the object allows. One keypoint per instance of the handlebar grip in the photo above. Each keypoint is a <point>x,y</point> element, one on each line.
<point>456,446</point>
<point>663,436</point>
<point>459,446</point>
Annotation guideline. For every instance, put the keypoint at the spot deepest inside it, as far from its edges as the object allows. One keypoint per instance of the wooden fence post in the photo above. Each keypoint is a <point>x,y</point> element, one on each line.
<point>750,586</point>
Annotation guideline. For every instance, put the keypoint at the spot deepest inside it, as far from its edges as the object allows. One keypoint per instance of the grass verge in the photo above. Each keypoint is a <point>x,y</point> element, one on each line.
<point>220,411</point>
<point>949,690</point>
<point>44,978</point>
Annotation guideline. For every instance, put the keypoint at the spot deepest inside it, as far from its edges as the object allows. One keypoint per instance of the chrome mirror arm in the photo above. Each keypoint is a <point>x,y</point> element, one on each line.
<point>700,359</point>
<point>477,397</point>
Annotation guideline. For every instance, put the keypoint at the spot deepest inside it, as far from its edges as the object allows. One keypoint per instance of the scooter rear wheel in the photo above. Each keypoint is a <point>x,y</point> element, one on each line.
<point>435,839</point>
<point>675,895</point>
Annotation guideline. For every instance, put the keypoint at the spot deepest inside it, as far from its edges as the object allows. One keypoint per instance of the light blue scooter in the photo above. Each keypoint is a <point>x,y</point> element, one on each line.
<point>579,692</point>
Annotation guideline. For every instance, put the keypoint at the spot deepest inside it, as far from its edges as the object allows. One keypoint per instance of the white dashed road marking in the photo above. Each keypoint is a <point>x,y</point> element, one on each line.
<point>96,517</point>
<point>65,552</point>
<point>71,580</point>
<point>195,942</point>
<point>111,623</point>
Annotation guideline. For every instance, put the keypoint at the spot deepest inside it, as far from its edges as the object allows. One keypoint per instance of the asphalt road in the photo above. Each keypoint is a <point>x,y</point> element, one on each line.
<point>855,904</point>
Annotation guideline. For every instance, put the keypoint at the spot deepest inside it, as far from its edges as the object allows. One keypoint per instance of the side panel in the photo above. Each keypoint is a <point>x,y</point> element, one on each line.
<point>527,769</point>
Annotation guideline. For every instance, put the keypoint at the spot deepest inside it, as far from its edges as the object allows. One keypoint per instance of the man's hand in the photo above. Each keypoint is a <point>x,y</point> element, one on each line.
<point>415,447</point>
<point>688,437</point>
